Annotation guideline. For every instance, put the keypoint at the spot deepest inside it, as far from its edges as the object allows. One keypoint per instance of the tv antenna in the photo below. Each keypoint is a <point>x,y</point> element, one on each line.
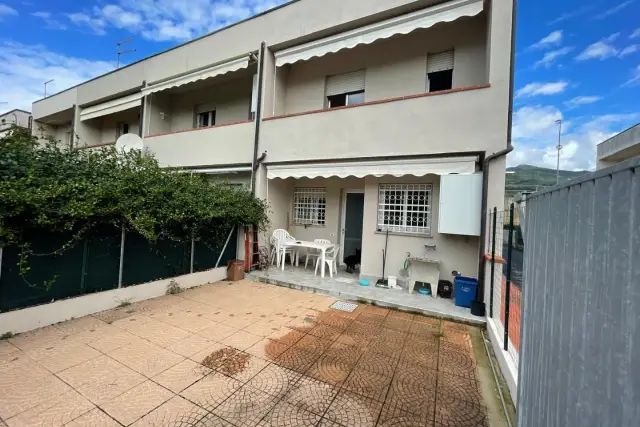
<point>123,52</point>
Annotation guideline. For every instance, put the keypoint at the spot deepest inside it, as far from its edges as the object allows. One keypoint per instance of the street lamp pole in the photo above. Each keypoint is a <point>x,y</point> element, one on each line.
<point>559,147</point>
<point>45,87</point>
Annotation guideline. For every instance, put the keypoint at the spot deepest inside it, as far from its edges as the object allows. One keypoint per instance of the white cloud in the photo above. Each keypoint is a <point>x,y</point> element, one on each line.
<point>628,50</point>
<point>535,134</point>
<point>569,15</point>
<point>97,25</point>
<point>552,39</point>
<point>6,10</point>
<point>550,57</point>
<point>613,10</point>
<point>164,20</point>
<point>601,49</point>
<point>25,68</point>
<point>635,79</point>
<point>582,100</point>
<point>635,34</point>
<point>538,88</point>
<point>51,23</point>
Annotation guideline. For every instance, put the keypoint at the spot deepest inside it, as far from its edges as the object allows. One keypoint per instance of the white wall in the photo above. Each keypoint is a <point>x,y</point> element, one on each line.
<point>394,67</point>
<point>455,252</point>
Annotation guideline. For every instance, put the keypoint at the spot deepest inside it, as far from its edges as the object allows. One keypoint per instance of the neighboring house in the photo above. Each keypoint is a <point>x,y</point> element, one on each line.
<point>618,148</point>
<point>14,117</point>
<point>372,116</point>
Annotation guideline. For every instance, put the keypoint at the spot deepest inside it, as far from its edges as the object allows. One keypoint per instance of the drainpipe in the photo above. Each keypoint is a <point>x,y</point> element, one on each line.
<point>258,119</point>
<point>485,170</point>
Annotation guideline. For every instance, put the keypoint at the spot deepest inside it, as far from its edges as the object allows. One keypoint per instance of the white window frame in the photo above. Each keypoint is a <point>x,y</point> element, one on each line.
<point>347,98</point>
<point>402,208</point>
<point>310,206</point>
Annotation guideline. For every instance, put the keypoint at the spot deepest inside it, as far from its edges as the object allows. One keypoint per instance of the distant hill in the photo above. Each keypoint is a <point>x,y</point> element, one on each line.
<point>533,178</point>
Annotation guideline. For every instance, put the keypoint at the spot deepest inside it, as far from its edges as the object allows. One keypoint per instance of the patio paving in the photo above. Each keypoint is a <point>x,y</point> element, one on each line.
<point>245,354</point>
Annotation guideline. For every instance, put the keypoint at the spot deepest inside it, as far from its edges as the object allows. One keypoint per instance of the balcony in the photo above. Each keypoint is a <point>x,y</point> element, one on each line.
<point>459,120</point>
<point>227,144</point>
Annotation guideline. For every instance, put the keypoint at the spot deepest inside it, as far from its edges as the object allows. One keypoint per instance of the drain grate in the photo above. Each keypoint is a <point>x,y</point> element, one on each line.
<point>344,306</point>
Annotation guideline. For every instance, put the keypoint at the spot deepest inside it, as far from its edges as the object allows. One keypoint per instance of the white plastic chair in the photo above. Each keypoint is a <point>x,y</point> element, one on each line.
<point>330,258</point>
<point>280,236</point>
<point>315,253</point>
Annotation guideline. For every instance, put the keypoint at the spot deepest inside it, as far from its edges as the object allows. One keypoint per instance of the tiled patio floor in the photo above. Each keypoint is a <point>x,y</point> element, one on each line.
<point>345,285</point>
<point>242,354</point>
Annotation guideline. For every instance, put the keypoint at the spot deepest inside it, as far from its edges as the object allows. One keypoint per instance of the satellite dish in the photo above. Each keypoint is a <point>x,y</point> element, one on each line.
<point>128,142</point>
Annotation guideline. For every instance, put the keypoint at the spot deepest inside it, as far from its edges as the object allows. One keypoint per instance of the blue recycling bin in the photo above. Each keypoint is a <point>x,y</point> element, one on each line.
<point>465,288</point>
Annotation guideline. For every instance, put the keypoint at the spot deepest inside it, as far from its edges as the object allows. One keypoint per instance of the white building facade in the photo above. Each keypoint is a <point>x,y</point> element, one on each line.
<point>352,118</point>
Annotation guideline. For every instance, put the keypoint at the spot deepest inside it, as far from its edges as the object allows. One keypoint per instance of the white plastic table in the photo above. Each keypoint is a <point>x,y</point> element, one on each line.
<point>322,247</point>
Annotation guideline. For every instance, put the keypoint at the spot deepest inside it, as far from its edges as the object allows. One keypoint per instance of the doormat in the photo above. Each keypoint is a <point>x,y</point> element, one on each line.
<point>344,306</point>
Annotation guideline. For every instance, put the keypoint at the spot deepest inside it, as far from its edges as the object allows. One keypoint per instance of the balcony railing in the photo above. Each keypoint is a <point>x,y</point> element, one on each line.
<point>216,145</point>
<point>459,120</point>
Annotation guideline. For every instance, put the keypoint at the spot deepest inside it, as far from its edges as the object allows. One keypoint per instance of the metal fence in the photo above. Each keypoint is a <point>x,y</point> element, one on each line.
<point>580,355</point>
<point>101,262</point>
<point>505,265</point>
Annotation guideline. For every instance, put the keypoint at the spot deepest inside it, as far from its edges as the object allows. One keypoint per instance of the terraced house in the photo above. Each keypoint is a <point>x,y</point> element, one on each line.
<point>373,124</point>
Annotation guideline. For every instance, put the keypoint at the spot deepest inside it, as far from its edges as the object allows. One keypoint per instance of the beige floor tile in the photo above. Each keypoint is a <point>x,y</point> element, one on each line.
<point>211,390</point>
<point>112,339</point>
<point>212,348</point>
<point>146,358</point>
<point>267,349</point>
<point>250,369</point>
<point>55,413</point>
<point>175,412</point>
<point>82,324</point>
<point>264,327</point>
<point>190,345</point>
<point>185,321</point>
<point>108,387</point>
<point>37,338</point>
<point>94,418</point>
<point>239,321</point>
<point>63,356</point>
<point>90,371</point>
<point>217,332</point>
<point>6,349</point>
<point>246,407</point>
<point>135,403</point>
<point>132,321</point>
<point>241,340</point>
<point>19,368</point>
<point>23,396</point>
<point>181,376</point>
<point>159,333</point>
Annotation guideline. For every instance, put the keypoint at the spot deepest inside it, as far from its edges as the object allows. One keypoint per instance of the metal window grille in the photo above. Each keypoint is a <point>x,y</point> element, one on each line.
<point>309,206</point>
<point>404,208</point>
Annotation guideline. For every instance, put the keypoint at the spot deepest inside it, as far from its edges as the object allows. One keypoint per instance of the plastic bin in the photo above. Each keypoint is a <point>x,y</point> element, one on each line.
<point>465,290</point>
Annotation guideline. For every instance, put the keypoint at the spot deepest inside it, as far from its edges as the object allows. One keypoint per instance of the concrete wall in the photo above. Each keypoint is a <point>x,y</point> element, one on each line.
<point>425,125</point>
<point>394,67</point>
<point>579,342</point>
<point>219,145</point>
<point>295,22</point>
<point>157,114</point>
<point>455,252</point>
<point>24,320</point>
<point>17,118</point>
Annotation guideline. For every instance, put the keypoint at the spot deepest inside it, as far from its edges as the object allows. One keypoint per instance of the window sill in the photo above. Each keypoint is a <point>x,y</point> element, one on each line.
<point>308,225</point>
<point>399,233</point>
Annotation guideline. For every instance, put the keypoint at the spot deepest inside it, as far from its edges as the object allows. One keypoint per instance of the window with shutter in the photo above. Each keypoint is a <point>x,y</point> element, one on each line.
<point>440,71</point>
<point>345,89</point>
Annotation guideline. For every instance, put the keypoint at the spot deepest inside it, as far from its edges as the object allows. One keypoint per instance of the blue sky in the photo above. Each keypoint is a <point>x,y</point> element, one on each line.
<point>576,60</point>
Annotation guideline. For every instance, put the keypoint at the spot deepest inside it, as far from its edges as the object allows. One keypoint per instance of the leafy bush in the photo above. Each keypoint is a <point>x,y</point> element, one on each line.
<point>44,186</point>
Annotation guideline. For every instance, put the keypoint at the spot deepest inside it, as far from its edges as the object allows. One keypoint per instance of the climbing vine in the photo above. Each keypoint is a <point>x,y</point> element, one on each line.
<point>45,186</point>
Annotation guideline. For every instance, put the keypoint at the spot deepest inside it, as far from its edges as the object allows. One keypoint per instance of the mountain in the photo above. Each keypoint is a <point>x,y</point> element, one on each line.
<point>532,178</point>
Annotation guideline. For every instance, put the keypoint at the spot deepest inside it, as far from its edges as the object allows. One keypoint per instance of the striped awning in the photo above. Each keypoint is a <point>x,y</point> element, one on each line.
<point>425,18</point>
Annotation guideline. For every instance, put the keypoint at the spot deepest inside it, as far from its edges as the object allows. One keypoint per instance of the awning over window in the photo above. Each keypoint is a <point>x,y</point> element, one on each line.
<point>216,70</point>
<point>415,167</point>
<point>110,107</point>
<point>405,24</point>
